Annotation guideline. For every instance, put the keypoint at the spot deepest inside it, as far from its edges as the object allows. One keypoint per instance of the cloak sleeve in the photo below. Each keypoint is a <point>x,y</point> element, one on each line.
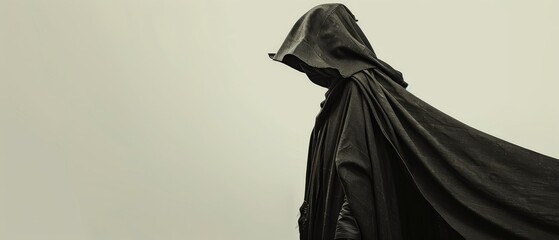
<point>364,167</point>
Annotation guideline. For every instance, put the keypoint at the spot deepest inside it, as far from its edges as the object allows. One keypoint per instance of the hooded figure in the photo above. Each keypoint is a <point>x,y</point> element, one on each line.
<point>383,164</point>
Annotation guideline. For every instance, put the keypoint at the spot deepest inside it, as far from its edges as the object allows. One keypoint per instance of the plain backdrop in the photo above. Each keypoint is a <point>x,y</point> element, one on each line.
<point>166,119</point>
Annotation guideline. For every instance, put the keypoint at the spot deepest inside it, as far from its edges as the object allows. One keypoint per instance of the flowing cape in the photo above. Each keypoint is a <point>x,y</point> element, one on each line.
<point>403,165</point>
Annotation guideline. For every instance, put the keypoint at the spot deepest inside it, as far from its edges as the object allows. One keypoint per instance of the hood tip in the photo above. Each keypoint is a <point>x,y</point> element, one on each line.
<point>271,55</point>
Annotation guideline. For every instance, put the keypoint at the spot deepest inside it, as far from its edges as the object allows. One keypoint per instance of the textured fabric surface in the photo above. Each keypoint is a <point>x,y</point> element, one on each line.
<point>383,164</point>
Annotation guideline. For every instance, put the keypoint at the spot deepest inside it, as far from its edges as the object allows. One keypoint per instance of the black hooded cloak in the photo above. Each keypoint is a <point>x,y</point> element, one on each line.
<point>383,164</point>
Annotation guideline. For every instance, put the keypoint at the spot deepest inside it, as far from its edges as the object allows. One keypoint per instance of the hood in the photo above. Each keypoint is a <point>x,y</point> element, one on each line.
<point>328,37</point>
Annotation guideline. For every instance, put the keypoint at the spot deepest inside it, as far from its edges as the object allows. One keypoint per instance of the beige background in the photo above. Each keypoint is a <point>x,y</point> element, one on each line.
<point>165,119</point>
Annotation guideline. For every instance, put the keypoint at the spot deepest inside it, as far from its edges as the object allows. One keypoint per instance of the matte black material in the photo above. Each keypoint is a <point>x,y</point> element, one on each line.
<point>383,164</point>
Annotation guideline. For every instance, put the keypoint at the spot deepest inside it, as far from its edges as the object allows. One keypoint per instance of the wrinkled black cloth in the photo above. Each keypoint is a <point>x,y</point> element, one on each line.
<point>405,169</point>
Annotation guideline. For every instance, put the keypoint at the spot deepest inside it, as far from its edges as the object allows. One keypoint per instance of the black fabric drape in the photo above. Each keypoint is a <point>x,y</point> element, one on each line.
<point>383,164</point>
